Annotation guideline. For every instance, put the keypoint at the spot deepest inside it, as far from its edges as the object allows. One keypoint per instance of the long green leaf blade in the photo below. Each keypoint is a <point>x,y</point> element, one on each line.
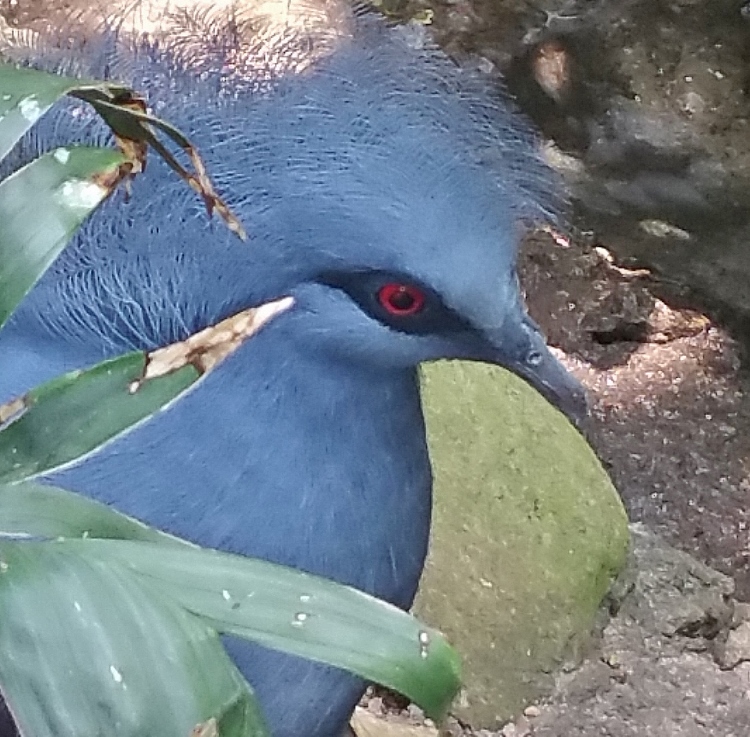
<point>31,510</point>
<point>92,406</point>
<point>41,206</point>
<point>25,95</point>
<point>96,405</point>
<point>214,589</point>
<point>299,613</point>
<point>88,650</point>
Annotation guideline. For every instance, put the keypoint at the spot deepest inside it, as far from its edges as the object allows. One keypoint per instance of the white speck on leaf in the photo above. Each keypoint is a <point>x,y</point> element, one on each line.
<point>300,618</point>
<point>62,155</point>
<point>424,643</point>
<point>77,606</point>
<point>304,598</point>
<point>116,675</point>
<point>227,596</point>
<point>30,109</point>
<point>78,194</point>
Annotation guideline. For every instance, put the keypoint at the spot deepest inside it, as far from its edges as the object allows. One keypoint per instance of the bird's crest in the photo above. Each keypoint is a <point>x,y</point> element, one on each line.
<point>232,48</point>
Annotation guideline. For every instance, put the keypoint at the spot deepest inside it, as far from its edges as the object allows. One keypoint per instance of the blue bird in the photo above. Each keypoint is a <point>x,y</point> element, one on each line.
<point>384,189</point>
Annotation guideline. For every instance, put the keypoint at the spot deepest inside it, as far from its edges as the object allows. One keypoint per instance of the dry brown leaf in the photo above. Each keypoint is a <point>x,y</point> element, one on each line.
<point>10,410</point>
<point>207,348</point>
<point>209,728</point>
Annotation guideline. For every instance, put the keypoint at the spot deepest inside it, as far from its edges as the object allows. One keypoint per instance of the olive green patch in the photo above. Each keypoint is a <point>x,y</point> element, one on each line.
<point>528,533</point>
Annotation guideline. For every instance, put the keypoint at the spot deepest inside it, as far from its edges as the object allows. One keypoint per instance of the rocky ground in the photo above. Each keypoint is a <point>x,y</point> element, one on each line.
<point>670,398</point>
<point>671,406</point>
<point>671,420</point>
<point>673,661</point>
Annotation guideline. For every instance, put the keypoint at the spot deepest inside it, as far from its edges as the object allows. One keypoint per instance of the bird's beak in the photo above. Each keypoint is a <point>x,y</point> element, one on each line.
<point>520,347</point>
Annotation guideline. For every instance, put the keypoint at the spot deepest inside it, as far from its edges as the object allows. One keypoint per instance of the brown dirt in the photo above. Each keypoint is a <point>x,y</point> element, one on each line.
<point>670,406</point>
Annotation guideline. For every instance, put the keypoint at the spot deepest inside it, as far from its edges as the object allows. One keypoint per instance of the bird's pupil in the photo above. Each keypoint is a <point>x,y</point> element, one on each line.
<point>402,300</point>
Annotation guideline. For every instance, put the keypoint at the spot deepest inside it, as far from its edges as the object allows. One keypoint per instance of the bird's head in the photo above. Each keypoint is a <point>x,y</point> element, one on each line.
<point>397,198</point>
<point>383,187</point>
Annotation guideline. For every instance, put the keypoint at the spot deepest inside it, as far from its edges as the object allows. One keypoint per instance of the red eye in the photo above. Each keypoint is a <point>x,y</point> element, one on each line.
<point>401,300</point>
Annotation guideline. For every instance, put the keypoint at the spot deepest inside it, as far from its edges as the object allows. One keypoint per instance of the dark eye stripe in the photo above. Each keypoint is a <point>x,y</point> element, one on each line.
<point>365,287</point>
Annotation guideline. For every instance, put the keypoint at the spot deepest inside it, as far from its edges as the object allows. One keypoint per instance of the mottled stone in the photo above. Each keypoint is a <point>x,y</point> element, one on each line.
<point>528,534</point>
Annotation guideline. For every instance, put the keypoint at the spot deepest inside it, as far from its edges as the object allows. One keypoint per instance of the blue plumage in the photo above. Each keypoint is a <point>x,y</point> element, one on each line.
<point>379,165</point>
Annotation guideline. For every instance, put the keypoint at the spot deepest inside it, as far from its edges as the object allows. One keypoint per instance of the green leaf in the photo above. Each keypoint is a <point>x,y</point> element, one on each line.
<point>33,510</point>
<point>96,405</point>
<point>25,95</point>
<point>252,598</point>
<point>89,650</point>
<point>41,206</point>
<point>298,613</point>
<point>92,406</point>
